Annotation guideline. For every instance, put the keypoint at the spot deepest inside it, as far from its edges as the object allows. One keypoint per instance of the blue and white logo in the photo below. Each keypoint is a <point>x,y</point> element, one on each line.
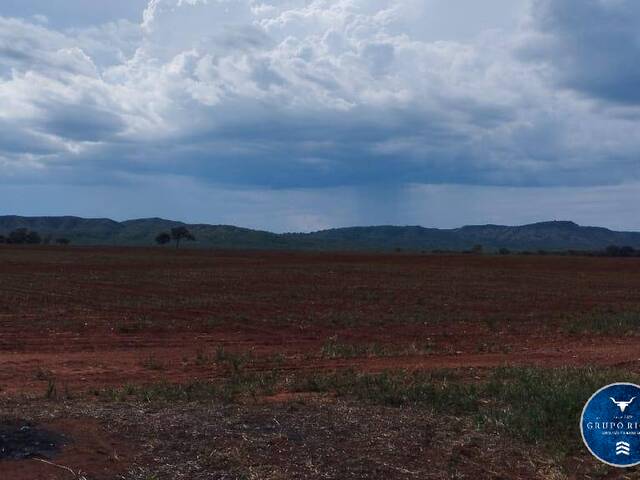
<point>610,424</point>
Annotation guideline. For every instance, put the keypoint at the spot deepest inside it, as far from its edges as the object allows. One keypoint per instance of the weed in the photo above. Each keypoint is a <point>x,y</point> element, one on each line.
<point>42,374</point>
<point>52,391</point>
<point>202,358</point>
<point>236,361</point>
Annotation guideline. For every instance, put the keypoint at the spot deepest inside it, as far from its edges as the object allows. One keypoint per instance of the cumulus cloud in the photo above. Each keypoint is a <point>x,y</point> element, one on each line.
<point>324,94</point>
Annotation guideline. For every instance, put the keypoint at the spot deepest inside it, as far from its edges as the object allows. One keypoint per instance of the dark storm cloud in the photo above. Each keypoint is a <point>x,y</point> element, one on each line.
<point>283,150</point>
<point>19,139</point>
<point>81,122</point>
<point>593,46</point>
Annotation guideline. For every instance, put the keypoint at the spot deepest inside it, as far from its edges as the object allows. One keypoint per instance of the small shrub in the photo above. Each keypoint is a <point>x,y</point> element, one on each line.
<point>42,374</point>
<point>202,358</point>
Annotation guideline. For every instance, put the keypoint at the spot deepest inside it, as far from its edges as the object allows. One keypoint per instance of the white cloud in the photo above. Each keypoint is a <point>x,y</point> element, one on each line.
<point>305,94</point>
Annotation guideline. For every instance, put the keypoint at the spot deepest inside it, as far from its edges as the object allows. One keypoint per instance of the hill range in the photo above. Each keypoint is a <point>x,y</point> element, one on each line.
<point>554,235</point>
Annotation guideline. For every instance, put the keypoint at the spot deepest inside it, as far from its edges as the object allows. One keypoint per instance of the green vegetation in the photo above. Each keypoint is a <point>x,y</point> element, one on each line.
<point>237,386</point>
<point>336,349</point>
<point>22,236</point>
<point>51,390</point>
<point>163,238</point>
<point>605,323</point>
<point>547,236</point>
<point>539,406</point>
<point>543,406</point>
<point>181,233</point>
<point>442,391</point>
<point>535,405</point>
<point>177,234</point>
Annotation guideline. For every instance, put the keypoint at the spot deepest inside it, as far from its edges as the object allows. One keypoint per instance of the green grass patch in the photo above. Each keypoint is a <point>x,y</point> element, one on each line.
<point>333,348</point>
<point>239,383</point>
<point>605,323</point>
<point>229,390</point>
<point>537,406</point>
<point>438,390</point>
<point>543,406</point>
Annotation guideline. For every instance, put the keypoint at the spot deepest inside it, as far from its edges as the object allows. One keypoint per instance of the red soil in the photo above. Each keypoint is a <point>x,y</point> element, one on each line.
<point>89,318</point>
<point>66,314</point>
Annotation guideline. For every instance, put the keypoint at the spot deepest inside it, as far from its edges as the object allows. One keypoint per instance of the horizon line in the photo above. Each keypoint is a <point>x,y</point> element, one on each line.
<point>310,231</point>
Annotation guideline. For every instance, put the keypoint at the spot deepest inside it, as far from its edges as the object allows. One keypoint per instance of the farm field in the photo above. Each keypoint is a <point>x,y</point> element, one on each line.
<point>166,364</point>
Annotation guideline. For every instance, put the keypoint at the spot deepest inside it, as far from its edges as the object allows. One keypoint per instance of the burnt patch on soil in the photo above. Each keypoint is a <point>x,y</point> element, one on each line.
<point>23,440</point>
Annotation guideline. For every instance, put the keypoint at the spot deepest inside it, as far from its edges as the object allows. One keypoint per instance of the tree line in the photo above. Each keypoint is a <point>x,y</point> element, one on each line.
<point>24,236</point>
<point>610,251</point>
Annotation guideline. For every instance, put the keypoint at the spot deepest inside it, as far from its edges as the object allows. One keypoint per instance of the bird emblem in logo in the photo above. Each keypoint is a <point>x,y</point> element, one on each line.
<point>622,405</point>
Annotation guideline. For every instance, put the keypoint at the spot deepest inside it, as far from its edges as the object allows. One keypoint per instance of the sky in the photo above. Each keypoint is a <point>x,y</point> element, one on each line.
<point>300,115</point>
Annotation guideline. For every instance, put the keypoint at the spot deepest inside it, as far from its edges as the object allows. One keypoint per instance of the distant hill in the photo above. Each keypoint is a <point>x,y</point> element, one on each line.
<point>546,235</point>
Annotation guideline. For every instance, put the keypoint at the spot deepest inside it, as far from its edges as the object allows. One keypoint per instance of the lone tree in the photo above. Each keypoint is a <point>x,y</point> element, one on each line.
<point>181,233</point>
<point>163,238</point>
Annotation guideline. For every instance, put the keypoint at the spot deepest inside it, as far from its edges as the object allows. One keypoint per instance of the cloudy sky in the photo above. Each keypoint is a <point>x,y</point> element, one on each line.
<point>297,115</point>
